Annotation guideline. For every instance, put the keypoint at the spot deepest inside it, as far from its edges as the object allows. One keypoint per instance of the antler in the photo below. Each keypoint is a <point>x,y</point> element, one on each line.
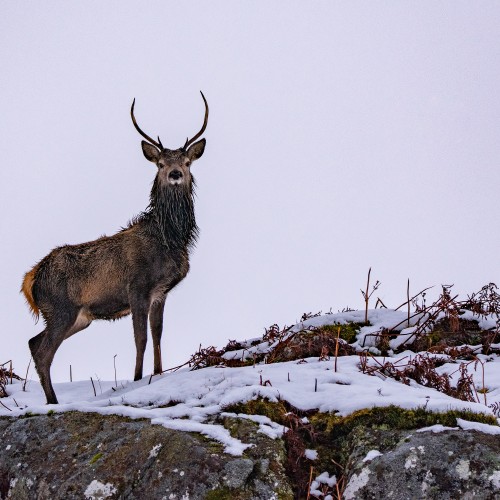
<point>190,141</point>
<point>152,141</point>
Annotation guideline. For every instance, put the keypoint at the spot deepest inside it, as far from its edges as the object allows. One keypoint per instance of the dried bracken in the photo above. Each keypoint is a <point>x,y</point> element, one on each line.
<point>445,322</point>
<point>314,342</point>
<point>422,369</point>
<point>7,375</point>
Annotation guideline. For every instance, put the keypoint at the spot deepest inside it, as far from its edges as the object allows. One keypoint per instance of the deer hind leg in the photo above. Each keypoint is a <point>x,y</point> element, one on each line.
<point>140,309</point>
<point>44,346</point>
<point>156,323</point>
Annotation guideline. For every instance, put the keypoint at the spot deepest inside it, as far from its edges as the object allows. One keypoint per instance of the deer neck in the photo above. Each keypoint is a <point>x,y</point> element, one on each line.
<point>171,216</point>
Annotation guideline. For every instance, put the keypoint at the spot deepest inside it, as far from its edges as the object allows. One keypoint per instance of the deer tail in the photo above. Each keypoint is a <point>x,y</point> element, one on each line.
<point>27,290</point>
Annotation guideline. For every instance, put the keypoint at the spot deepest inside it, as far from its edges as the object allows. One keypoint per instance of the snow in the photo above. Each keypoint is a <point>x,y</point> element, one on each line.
<point>155,450</point>
<point>477,426</point>
<point>266,425</point>
<point>495,479</point>
<point>485,322</point>
<point>190,400</point>
<point>323,478</point>
<point>311,454</point>
<point>371,455</point>
<point>437,428</point>
<point>406,336</point>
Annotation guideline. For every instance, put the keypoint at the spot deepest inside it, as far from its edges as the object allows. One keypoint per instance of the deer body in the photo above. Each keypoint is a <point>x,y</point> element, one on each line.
<point>130,272</point>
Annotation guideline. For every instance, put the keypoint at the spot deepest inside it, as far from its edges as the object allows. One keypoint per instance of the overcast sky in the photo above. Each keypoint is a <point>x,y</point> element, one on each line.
<point>342,135</point>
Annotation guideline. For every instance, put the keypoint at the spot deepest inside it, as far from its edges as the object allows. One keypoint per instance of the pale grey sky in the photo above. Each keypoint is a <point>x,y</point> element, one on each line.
<point>342,135</point>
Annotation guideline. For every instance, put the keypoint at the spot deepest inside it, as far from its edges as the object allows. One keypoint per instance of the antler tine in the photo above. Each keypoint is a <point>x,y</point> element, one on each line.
<point>190,141</point>
<point>152,141</point>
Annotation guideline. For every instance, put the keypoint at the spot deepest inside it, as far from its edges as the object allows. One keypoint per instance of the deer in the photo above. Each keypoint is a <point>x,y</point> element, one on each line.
<point>130,272</point>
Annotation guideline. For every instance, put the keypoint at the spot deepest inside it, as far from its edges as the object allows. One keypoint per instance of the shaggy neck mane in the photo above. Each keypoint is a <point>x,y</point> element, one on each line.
<point>170,215</point>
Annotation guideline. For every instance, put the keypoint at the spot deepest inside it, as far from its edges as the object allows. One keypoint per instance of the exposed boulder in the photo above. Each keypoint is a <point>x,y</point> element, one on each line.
<point>446,465</point>
<point>86,455</point>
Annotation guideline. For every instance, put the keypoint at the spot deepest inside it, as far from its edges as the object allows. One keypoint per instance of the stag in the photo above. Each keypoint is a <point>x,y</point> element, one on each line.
<point>130,272</point>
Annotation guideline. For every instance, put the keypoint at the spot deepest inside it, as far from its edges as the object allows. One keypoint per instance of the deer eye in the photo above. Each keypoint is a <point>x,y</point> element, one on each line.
<point>188,163</point>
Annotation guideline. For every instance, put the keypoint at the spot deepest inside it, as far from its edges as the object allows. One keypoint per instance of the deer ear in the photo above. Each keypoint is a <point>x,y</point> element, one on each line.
<point>151,152</point>
<point>196,150</point>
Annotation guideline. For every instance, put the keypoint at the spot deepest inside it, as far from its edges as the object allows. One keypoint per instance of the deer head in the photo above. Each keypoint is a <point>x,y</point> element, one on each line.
<point>173,164</point>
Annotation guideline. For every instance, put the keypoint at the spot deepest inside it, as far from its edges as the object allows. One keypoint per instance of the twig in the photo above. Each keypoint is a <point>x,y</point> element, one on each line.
<point>414,297</point>
<point>484,388</point>
<point>367,298</point>
<point>93,386</point>
<point>70,374</point>
<point>5,406</point>
<point>408,300</point>
<point>340,487</point>
<point>175,368</point>
<point>310,481</point>
<point>99,382</point>
<point>339,496</point>
<point>337,348</point>
<point>26,378</point>
<point>114,365</point>
<point>367,294</point>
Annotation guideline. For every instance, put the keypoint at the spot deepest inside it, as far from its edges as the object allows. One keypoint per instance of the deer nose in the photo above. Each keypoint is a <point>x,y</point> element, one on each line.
<point>175,175</point>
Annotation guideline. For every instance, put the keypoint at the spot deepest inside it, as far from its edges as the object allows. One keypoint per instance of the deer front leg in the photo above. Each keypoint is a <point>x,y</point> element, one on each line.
<point>156,323</point>
<point>140,322</point>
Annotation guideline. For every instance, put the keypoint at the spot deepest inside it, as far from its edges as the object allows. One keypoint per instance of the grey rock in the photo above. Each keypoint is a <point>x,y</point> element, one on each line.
<point>83,455</point>
<point>237,472</point>
<point>447,465</point>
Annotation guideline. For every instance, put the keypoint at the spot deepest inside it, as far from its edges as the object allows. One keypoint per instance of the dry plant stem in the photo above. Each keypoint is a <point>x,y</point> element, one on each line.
<point>477,360</point>
<point>408,300</point>
<point>93,387</point>
<point>26,378</point>
<point>417,313</point>
<point>367,297</point>
<point>484,388</point>
<point>10,369</point>
<point>475,392</point>
<point>337,348</point>
<point>310,481</point>
<point>339,496</point>
<point>341,486</point>
<point>70,374</point>
<point>114,365</point>
<point>175,368</point>
<point>5,406</point>
<point>414,297</point>
<point>430,318</point>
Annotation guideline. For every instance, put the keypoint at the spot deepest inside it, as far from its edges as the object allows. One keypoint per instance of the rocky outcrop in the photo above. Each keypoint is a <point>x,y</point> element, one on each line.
<point>85,455</point>
<point>447,465</point>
